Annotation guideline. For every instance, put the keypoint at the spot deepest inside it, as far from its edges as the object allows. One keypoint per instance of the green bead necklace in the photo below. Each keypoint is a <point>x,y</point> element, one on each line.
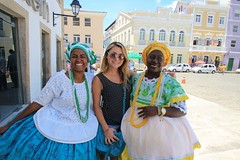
<point>76,100</point>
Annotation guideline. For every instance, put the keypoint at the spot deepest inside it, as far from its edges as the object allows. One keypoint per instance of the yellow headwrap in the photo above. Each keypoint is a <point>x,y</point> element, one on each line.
<point>157,46</point>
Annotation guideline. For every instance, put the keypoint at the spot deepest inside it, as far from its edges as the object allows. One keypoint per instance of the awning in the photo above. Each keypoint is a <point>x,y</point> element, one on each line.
<point>134,55</point>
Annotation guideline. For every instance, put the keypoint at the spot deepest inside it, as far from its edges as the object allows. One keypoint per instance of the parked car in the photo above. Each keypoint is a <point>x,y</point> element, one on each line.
<point>180,67</point>
<point>238,70</point>
<point>204,68</point>
<point>165,69</point>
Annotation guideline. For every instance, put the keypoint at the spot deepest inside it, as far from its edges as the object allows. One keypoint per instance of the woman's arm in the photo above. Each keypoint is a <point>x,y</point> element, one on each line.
<point>96,91</point>
<point>150,111</point>
<point>33,107</point>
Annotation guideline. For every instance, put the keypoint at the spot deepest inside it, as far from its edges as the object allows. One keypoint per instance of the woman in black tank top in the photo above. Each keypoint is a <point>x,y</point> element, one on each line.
<point>111,92</point>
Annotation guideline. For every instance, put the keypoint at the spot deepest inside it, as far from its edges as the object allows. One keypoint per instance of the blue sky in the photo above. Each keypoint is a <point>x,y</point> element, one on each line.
<point>113,7</point>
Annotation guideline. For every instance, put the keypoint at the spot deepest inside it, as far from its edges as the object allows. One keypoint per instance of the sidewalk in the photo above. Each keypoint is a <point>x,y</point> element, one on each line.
<point>217,129</point>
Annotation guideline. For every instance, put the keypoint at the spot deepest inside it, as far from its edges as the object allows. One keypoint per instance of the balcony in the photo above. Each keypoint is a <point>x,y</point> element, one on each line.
<point>171,43</point>
<point>198,48</point>
<point>142,42</point>
<point>181,44</point>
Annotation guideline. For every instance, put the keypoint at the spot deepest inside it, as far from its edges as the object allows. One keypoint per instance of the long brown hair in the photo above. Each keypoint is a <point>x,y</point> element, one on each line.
<point>123,69</point>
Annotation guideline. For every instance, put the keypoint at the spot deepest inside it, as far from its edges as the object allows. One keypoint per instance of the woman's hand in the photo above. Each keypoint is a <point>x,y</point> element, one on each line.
<point>148,111</point>
<point>109,136</point>
<point>3,129</point>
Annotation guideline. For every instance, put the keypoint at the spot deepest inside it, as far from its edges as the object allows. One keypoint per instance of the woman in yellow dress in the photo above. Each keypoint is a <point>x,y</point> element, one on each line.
<point>155,126</point>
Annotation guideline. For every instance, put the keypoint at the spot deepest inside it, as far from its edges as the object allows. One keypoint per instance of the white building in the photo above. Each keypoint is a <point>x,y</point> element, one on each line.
<point>26,26</point>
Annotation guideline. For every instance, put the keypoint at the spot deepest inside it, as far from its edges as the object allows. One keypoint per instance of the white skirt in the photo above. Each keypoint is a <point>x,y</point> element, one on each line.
<point>160,138</point>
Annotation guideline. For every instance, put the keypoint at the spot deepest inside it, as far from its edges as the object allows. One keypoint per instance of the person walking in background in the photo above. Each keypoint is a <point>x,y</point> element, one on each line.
<point>111,91</point>
<point>3,80</point>
<point>60,123</point>
<point>155,126</point>
<point>12,67</point>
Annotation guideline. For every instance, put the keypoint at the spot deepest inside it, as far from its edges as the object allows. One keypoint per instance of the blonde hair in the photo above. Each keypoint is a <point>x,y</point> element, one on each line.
<point>123,69</point>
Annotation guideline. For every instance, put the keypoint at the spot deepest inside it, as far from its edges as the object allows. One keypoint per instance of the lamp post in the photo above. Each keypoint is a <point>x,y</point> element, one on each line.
<point>75,10</point>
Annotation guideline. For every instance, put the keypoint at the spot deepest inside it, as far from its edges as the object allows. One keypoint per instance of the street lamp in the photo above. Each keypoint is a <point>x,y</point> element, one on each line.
<point>75,10</point>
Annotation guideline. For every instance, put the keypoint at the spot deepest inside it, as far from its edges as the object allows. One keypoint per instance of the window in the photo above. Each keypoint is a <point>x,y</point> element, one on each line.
<point>66,38</point>
<point>125,37</point>
<point>233,43</point>
<point>162,35</point>
<point>87,21</point>
<point>210,20</point>
<point>219,42</point>
<point>179,58</point>
<point>195,40</point>
<point>151,35</point>
<point>221,21</point>
<point>181,36</point>
<point>76,38</point>
<point>142,34</point>
<point>235,28</point>
<point>88,39</point>
<point>1,25</point>
<point>65,21</point>
<point>237,13</point>
<point>172,36</point>
<point>76,21</point>
<point>128,35</point>
<point>1,29</point>
<point>198,19</point>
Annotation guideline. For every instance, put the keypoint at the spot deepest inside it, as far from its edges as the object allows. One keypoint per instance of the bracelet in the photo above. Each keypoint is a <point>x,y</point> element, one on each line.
<point>161,111</point>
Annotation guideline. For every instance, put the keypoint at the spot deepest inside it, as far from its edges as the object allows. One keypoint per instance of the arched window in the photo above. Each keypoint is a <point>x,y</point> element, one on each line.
<point>181,36</point>
<point>162,35</point>
<point>142,34</point>
<point>172,36</point>
<point>151,35</point>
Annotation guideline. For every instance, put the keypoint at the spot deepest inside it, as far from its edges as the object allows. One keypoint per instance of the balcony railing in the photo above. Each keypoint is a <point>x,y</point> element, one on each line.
<point>142,42</point>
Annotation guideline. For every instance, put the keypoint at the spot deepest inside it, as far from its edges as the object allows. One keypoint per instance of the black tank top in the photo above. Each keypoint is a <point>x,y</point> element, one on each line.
<point>112,100</point>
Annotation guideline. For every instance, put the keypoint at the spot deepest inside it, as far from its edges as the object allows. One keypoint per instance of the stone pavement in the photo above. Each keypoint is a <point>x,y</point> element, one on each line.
<point>217,129</point>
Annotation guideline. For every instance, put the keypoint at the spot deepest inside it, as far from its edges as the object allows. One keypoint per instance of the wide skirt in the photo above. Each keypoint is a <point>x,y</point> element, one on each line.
<point>161,138</point>
<point>23,141</point>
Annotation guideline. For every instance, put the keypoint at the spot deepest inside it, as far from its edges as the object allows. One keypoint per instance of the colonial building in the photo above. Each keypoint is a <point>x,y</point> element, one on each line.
<point>232,57</point>
<point>26,27</point>
<point>87,27</point>
<point>208,31</point>
<point>139,28</point>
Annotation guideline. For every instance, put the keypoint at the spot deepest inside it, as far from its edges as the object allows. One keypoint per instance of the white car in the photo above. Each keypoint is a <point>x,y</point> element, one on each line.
<point>165,69</point>
<point>180,67</point>
<point>204,68</point>
<point>238,70</point>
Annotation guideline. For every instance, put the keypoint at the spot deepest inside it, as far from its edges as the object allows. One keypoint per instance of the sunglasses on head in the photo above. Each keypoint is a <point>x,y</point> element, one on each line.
<point>115,56</point>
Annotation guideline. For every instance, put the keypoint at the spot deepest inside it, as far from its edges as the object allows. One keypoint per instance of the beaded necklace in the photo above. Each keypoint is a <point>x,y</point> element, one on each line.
<point>76,100</point>
<point>139,125</point>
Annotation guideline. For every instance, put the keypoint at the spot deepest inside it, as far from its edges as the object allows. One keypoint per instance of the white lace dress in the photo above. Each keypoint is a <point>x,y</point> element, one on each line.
<point>58,119</point>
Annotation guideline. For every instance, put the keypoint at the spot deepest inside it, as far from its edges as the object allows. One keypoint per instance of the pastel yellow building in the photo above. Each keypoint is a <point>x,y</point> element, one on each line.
<point>139,28</point>
<point>87,27</point>
<point>208,32</point>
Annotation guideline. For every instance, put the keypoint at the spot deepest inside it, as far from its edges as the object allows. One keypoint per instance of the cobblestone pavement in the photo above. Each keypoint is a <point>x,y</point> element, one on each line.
<point>214,112</point>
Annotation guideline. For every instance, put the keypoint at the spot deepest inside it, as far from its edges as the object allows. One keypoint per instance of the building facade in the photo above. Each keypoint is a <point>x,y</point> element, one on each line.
<point>87,27</point>
<point>26,27</point>
<point>208,31</point>
<point>139,28</point>
<point>232,57</point>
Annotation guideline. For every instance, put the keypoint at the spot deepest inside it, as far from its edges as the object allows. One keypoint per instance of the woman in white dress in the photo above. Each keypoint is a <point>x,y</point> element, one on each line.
<point>59,123</point>
<point>155,126</point>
